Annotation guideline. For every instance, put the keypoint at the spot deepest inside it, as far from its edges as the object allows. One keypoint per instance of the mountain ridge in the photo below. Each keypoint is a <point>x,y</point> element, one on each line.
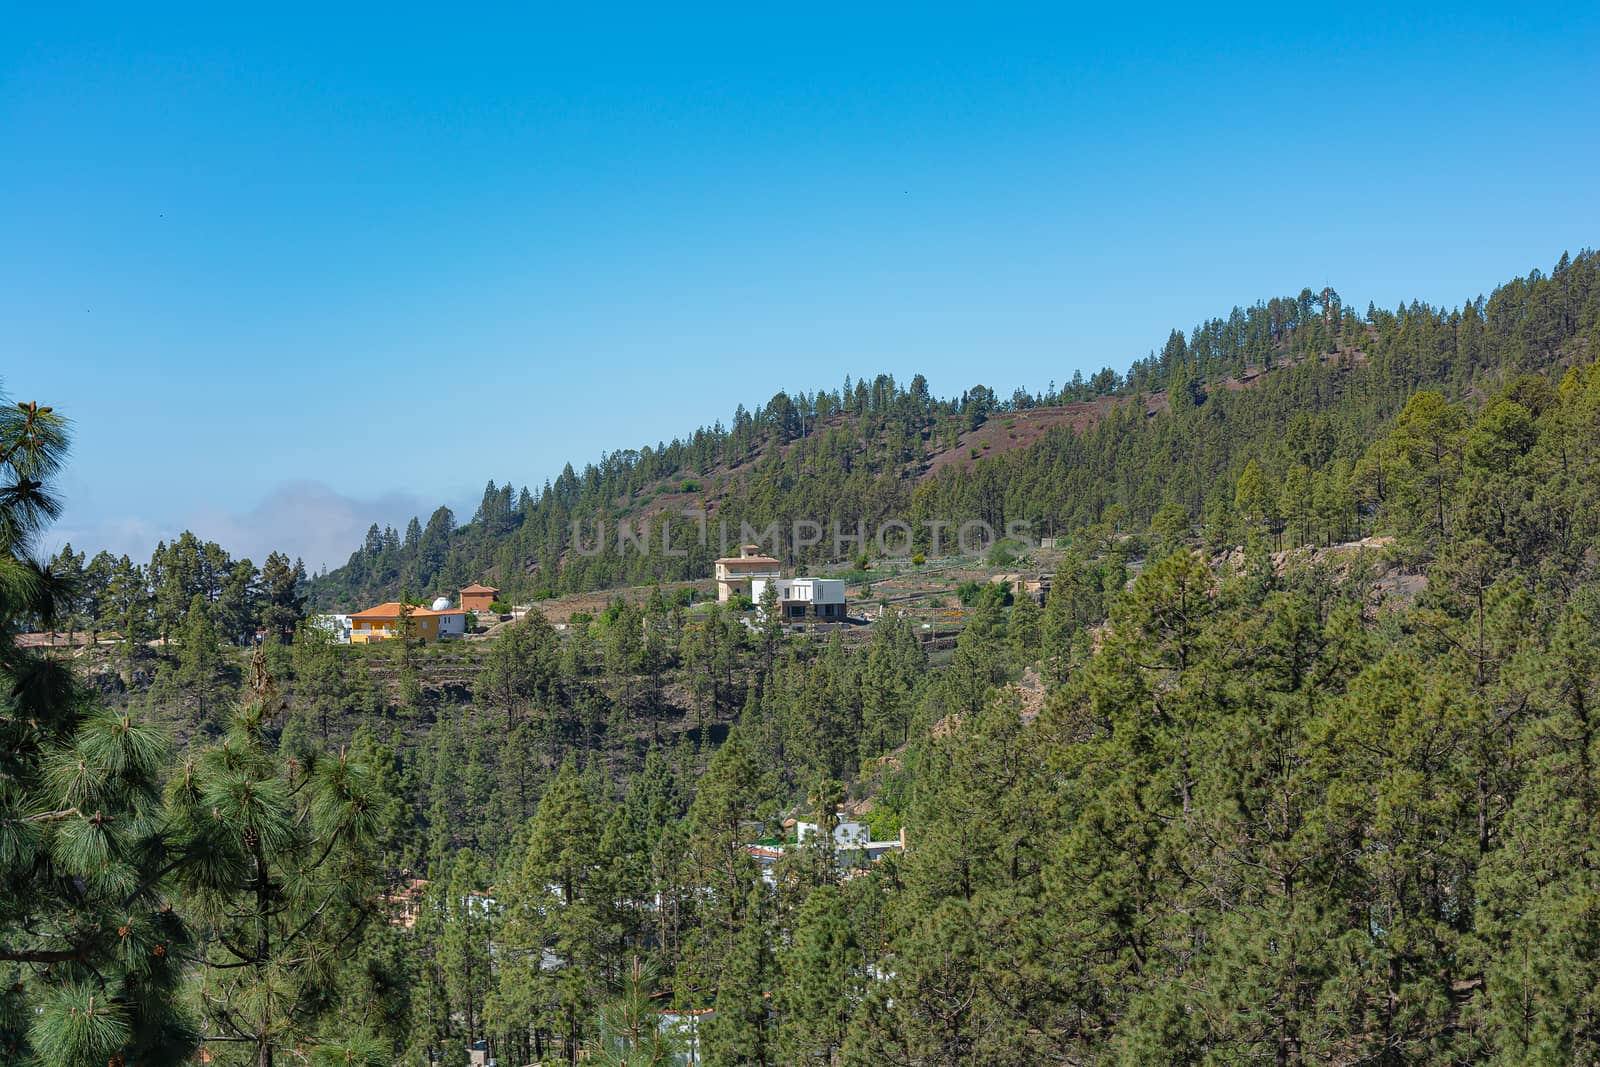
<point>872,450</point>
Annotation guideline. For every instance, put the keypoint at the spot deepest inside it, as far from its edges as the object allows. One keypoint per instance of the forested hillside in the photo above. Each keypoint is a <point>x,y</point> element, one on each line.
<point>1300,384</point>
<point>1240,790</point>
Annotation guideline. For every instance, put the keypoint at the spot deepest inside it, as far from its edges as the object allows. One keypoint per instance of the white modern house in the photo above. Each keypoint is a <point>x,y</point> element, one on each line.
<point>803,598</point>
<point>852,839</point>
<point>845,834</point>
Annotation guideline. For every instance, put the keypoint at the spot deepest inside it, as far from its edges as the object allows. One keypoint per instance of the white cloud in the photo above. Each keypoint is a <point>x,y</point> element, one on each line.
<point>304,519</point>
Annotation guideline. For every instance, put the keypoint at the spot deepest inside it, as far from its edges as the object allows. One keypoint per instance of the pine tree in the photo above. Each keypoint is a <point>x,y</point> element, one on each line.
<point>522,668</point>
<point>1023,629</point>
<point>632,833</point>
<point>76,593</point>
<point>821,981</point>
<point>282,602</point>
<point>739,1032</point>
<point>719,871</point>
<point>979,663</point>
<point>199,668</point>
<point>467,919</point>
<point>319,680</point>
<point>277,866</point>
<point>1251,497</point>
<point>91,949</point>
<point>555,906</point>
<point>629,1031</point>
<point>1295,504</point>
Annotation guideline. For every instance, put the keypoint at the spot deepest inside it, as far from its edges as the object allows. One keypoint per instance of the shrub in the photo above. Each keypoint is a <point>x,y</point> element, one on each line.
<point>919,559</point>
<point>500,607</point>
<point>969,591</point>
<point>1005,553</point>
<point>883,823</point>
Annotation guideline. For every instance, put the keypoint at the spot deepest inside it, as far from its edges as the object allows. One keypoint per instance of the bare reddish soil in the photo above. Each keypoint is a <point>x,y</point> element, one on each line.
<point>1007,433</point>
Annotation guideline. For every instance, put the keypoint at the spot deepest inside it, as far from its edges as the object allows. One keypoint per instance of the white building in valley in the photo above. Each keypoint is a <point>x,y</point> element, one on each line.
<point>803,598</point>
<point>853,841</point>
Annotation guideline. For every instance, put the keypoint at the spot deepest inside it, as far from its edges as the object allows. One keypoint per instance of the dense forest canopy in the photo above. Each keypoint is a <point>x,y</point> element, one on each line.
<point>1296,762</point>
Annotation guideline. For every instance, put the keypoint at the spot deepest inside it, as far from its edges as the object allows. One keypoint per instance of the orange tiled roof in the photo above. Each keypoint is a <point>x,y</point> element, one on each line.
<point>763,852</point>
<point>391,610</point>
<point>475,588</point>
<point>764,561</point>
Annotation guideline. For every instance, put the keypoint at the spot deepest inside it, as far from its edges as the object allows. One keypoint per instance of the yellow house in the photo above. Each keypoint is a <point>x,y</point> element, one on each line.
<point>429,624</point>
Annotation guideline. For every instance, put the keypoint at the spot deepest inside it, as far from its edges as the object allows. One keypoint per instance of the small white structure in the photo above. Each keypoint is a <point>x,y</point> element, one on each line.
<point>336,626</point>
<point>845,835</point>
<point>802,598</point>
<point>441,603</point>
<point>852,840</point>
<point>451,623</point>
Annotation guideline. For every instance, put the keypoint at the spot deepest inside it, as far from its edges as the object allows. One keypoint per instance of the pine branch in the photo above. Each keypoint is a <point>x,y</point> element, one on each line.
<point>50,816</point>
<point>78,954</point>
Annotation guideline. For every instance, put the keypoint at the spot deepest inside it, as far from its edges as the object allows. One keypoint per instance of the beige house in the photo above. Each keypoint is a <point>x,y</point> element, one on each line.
<point>735,573</point>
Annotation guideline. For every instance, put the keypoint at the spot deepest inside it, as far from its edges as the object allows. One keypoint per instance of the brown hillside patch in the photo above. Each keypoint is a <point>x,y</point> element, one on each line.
<point>1001,433</point>
<point>1022,429</point>
<point>560,609</point>
<point>1344,357</point>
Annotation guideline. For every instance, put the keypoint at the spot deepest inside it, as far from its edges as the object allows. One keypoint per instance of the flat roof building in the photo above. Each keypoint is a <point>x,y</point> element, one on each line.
<point>803,598</point>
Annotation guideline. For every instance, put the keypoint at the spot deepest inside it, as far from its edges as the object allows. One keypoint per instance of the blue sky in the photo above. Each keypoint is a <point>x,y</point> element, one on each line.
<point>290,276</point>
